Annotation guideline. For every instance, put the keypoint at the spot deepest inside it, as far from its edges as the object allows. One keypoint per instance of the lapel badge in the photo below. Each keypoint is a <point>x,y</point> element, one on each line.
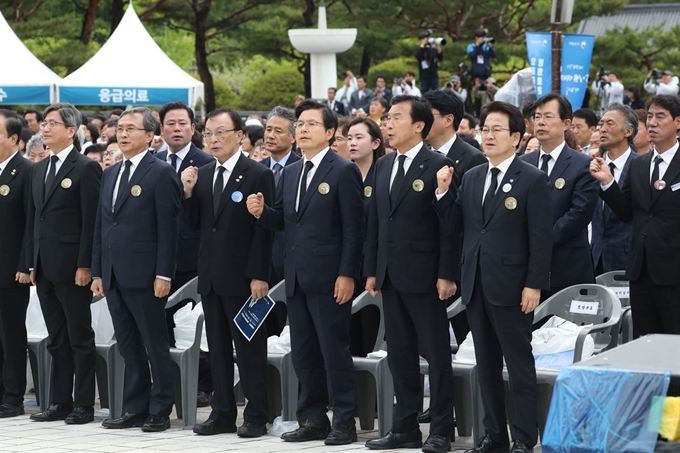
<point>239,178</point>
<point>324,188</point>
<point>507,187</point>
<point>368,191</point>
<point>510,203</point>
<point>237,197</point>
<point>421,167</point>
<point>457,160</point>
<point>560,183</point>
<point>659,184</point>
<point>14,172</point>
<point>136,191</point>
<point>418,185</point>
<point>4,190</point>
<point>66,183</point>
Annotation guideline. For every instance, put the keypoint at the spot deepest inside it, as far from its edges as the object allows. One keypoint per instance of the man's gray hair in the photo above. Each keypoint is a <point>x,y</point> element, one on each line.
<point>150,122</point>
<point>630,119</point>
<point>34,142</point>
<point>286,113</point>
<point>70,115</point>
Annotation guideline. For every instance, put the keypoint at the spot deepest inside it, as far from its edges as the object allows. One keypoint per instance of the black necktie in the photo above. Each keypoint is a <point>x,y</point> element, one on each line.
<point>124,179</point>
<point>398,180</point>
<point>277,173</point>
<point>303,185</point>
<point>218,189</point>
<point>51,173</point>
<point>606,209</point>
<point>655,171</point>
<point>488,199</point>
<point>544,165</point>
<point>173,161</point>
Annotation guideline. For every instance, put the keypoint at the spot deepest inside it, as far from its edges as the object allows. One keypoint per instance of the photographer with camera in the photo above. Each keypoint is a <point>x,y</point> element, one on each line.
<point>608,88</point>
<point>481,52</point>
<point>428,54</point>
<point>658,82</point>
<point>406,85</point>
<point>454,85</point>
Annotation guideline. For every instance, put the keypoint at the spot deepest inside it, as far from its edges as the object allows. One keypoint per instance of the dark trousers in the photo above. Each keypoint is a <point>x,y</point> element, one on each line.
<point>416,324</point>
<point>251,358</point>
<point>655,308</point>
<point>429,84</point>
<point>504,331</point>
<point>13,304</point>
<point>66,309</point>
<point>142,335</point>
<point>319,333</point>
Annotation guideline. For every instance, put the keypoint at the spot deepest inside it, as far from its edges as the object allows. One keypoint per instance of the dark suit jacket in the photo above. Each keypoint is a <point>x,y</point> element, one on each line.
<point>464,156</point>
<point>363,103</point>
<point>138,241</point>
<point>572,208</point>
<point>291,160</point>
<point>325,239</point>
<point>189,240</point>
<point>233,249</point>
<point>63,222</point>
<point>14,210</point>
<point>409,240</point>
<point>656,220</point>
<point>610,238</point>
<point>512,249</point>
<point>338,107</point>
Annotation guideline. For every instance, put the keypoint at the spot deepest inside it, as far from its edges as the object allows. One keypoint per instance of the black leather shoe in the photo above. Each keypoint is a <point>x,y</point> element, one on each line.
<point>437,444</point>
<point>156,424</point>
<point>487,445</point>
<point>53,413</point>
<point>127,420</point>
<point>414,439</point>
<point>306,433</point>
<point>425,416</point>
<point>211,427</point>
<point>249,429</point>
<point>10,410</point>
<point>341,436</point>
<point>520,447</point>
<point>80,415</point>
<point>203,399</point>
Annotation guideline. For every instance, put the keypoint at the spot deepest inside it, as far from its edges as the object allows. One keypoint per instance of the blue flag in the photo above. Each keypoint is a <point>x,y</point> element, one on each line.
<point>540,60</point>
<point>577,51</point>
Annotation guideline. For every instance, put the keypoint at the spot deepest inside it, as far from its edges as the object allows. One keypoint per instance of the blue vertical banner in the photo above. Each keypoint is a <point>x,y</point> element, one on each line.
<point>539,50</point>
<point>577,51</point>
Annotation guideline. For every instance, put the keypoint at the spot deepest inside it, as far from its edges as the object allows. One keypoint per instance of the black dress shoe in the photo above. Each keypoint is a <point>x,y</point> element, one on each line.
<point>127,420</point>
<point>53,413</point>
<point>249,429</point>
<point>10,410</point>
<point>156,424</point>
<point>80,415</point>
<point>437,444</point>
<point>211,427</point>
<point>414,439</point>
<point>306,433</point>
<point>203,399</point>
<point>341,436</point>
<point>487,445</point>
<point>520,447</point>
<point>425,416</point>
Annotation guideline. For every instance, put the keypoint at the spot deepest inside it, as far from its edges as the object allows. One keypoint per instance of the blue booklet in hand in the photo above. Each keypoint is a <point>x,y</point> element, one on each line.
<point>252,315</point>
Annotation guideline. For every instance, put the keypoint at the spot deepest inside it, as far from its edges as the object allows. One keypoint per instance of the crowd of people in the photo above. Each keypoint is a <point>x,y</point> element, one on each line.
<point>399,200</point>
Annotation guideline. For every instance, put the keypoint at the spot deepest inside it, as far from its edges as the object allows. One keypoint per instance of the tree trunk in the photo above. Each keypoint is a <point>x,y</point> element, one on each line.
<point>308,16</point>
<point>88,21</point>
<point>308,77</point>
<point>201,54</point>
<point>117,11</point>
<point>365,62</point>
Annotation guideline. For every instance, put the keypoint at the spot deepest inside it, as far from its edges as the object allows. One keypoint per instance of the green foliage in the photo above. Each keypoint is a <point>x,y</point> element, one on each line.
<point>390,69</point>
<point>224,95</point>
<point>278,86</point>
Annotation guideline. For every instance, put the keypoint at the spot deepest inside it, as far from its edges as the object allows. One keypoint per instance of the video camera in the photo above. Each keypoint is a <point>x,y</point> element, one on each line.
<point>483,34</point>
<point>656,74</point>
<point>430,40</point>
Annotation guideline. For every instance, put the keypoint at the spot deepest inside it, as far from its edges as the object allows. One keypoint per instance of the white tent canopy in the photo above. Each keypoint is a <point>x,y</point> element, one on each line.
<point>130,68</point>
<point>23,78</point>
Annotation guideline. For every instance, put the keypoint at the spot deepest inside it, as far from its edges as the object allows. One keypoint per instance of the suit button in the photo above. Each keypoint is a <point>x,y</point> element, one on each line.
<point>651,215</point>
<point>42,218</point>
<point>292,248</point>
<point>391,218</point>
<point>644,234</point>
<point>214,230</point>
<point>483,231</point>
<point>475,253</point>
<point>109,245</point>
<point>115,223</point>
<point>297,224</point>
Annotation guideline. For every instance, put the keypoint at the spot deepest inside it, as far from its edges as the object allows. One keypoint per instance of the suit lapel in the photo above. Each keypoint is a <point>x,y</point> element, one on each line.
<point>188,160</point>
<point>11,170</point>
<point>66,167</point>
<point>40,170</point>
<point>477,186</point>
<point>671,174</point>
<point>319,176</point>
<point>235,180</point>
<point>561,165</point>
<point>644,175</point>
<point>457,153</point>
<point>144,166</point>
<point>416,169</point>
<point>511,177</point>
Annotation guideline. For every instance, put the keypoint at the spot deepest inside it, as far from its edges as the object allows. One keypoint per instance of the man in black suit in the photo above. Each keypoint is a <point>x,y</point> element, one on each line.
<point>133,262</point>
<point>335,105</point>
<point>319,203</point>
<point>573,191</point>
<point>235,259</point>
<point>15,187</point>
<point>611,235</point>
<point>64,196</point>
<point>408,258</point>
<point>649,198</point>
<point>503,209</point>
<point>360,100</point>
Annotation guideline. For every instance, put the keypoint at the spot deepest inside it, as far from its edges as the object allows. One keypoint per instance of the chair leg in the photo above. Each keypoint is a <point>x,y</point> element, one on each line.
<point>366,398</point>
<point>177,390</point>
<point>478,430</point>
<point>385,393</point>
<point>274,392</point>
<point>44,374</point>
<point>189,390</point>
<point>116,377</point>
<point>290,388</point>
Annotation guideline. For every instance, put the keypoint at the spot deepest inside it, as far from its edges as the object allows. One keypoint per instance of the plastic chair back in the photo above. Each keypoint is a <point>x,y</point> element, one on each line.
<point>364,300</point>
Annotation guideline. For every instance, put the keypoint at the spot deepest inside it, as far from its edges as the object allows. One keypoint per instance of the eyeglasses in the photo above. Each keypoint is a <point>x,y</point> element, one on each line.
<point>310,123</point>
<point>218,134</point>
<point>540,117</point>
<point>495,130</point>
<point>128,130</point>
<point>50,124</point>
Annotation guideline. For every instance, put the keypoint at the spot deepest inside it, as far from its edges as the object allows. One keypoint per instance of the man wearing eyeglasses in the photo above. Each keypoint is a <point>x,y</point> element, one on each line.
<point>65,193</point>
<point>133,262</point>
<point>574,194</point>
<point>319,203</point>
<point>235,261</point>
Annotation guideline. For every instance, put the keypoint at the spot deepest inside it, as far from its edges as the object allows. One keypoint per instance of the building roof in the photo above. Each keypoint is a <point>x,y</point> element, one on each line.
<point>636,17</point>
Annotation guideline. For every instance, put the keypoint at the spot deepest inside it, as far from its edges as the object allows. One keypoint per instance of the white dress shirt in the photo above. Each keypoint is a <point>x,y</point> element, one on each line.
<point>228,165</point>
<point>446,147</point>
<point>282,162</point>
<point>619,162</point>
<point>316,160</point>
<point>410,155</point>
<point>181,155</point>
<point>503,167</point>
<point>4,163</point>
<point>62,157</point>
<point>555,154</point>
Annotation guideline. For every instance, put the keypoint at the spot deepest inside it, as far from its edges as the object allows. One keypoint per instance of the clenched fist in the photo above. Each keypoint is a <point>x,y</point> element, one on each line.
<point>444,177</point>
<point>255,204</point>
<point>600,171</point>
<point>189,178</point>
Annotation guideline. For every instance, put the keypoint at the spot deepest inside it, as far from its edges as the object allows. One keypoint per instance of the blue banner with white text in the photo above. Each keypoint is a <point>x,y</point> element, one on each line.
<point>540,60</point>
<point>577,51</point>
